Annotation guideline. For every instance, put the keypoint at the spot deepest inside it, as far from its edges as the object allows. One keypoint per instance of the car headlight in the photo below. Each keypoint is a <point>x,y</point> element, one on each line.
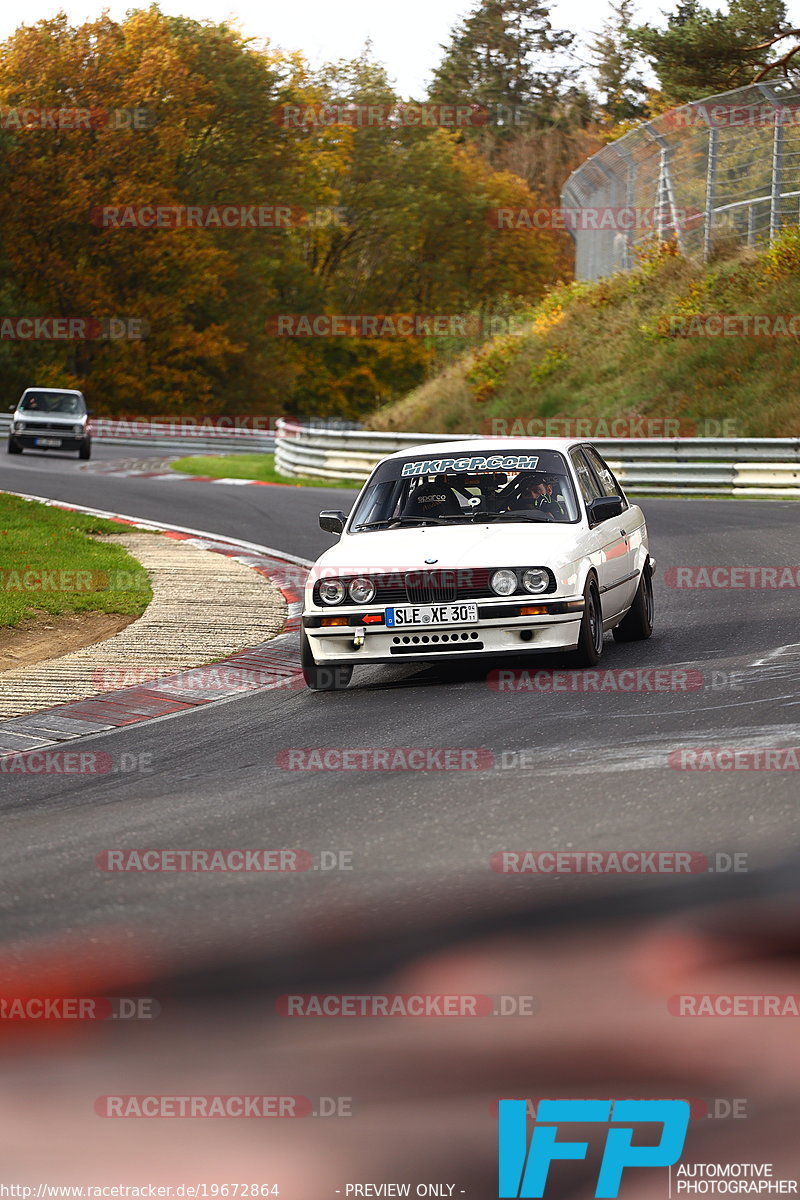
<point>331,591</point>
<point>536,580</point>
<point>361,591</point>
<point>19,426</point>
<point>78,429</point>
<point>504,582</point>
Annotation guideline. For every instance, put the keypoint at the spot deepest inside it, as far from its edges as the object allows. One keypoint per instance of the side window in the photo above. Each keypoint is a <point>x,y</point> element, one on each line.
<point>607,481</point>
<point>590,489</point>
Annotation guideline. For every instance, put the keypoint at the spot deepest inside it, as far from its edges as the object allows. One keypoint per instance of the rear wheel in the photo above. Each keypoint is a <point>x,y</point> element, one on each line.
<point>590,639</point>
<point>637,624</point>
<point>13,448</point>
<point>322,679</point>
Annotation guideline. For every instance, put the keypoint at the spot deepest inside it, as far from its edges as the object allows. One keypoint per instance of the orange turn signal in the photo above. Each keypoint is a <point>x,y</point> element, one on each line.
<point>328,621</point>
<point>533,611</point>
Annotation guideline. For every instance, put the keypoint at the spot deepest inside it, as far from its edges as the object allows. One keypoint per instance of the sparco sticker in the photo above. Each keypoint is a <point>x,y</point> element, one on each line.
<point>495,462</point>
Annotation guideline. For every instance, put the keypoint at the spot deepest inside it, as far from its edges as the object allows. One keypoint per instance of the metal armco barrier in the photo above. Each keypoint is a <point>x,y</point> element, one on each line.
<point>647,466</point>
<point>184,437</point>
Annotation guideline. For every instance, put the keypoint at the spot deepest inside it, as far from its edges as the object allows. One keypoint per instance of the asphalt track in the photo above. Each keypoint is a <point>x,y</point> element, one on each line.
<point>572,770</point>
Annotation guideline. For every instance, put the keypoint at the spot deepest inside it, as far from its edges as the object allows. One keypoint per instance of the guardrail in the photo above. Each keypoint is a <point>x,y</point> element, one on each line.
<point>183,437</point>
<point>647,466</point>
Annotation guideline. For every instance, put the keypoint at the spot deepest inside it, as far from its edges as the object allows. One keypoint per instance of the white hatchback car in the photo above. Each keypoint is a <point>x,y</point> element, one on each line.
<point>478,549</point>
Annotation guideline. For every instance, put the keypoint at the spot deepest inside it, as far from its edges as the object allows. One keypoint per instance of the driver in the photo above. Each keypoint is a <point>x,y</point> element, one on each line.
<point>533,493</point>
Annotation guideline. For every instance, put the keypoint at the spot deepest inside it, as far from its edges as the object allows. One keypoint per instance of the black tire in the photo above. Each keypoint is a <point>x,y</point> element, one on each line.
<point>13,448</point>
<point>590,639</point>
<point>637,624</point>
<point>85,449</point>
<point>322,679</point>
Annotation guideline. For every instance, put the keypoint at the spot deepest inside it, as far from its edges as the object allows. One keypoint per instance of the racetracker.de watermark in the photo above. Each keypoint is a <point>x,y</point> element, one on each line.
<point>404,114</point>
<point>735,758</point>
<point>729,1004</point>
<point>215,860</point>
<point>203,1107</point>
<point>61,120</point>
<point>385,758</point>
<point>730,116</point>
<point>729,578</point>
<point>371,325</point>
<point>598,219</point>
<point>199,216</point>
<point>597,428</point>
<point>397,1004</point>
<point>617,862</point>
<point>78,1008</point>
<point>74,581</point>
<point>733,325</point>
<point>73,329</point>
<point>75,762</point>
<point>618,679</point>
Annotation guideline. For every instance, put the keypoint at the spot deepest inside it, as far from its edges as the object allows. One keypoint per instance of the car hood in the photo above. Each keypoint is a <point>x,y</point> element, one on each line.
<point>32,418</point>
<point>495,545</point>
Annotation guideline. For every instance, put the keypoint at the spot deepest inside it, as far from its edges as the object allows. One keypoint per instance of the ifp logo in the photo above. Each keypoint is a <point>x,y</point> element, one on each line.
<point>523,1172</point>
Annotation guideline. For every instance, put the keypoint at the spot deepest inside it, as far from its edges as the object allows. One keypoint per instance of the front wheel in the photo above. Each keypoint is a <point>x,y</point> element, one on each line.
<point>637,624</point>
<point>13,448</point>
<point>322,679</point>
<point>85,449</point>
<point>590,639</point>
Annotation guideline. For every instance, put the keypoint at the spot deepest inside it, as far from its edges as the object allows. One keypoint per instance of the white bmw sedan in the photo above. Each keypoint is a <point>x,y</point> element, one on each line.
<point>478,549</point>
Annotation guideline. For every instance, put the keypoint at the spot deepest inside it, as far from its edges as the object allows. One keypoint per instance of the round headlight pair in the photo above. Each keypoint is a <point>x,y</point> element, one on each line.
<point>333,591</point>
<point>505,582</point>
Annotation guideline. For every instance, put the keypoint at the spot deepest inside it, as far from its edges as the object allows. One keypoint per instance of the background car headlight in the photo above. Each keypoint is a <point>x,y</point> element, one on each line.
<point>19,426</point>
<point>331,591</point>
<point>536,580</point>
<point>504,582</point>
<point>361,591</point>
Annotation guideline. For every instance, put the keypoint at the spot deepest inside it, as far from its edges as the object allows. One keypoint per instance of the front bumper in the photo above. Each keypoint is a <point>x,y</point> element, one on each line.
<point>492,636</point>
<point>29,441</point>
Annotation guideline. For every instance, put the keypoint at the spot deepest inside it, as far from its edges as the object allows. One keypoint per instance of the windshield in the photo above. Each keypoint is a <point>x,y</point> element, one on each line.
<point>496,486</point>
<point>68,403</point>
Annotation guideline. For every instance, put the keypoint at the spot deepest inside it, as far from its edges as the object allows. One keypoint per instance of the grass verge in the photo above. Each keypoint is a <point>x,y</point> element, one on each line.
<point>628,347</point>
<point>251,466</point>
<point>50,563</point>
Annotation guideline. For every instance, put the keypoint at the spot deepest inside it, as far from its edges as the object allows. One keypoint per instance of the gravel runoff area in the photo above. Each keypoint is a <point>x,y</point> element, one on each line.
<point>204,607</point>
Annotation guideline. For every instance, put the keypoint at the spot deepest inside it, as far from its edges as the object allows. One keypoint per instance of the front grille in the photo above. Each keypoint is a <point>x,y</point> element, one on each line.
<point>435,587</point>
<point>48,427</point>
<point>431,587</point>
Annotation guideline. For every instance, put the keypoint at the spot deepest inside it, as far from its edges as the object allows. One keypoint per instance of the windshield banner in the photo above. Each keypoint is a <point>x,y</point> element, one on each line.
<point>495,462</point>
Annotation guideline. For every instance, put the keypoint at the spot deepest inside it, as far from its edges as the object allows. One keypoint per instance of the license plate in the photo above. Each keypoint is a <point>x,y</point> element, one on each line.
<point>431,614</point>
<point>48,441</point>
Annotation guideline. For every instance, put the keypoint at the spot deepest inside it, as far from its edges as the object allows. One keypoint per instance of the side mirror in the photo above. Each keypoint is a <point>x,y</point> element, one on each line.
<point>90,412</point>
<point>604,508</point>
<point>332,521</point>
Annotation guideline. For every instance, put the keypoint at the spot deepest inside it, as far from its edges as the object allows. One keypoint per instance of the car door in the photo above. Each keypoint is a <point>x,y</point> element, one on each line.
<point>633,525</point>
<point>615,566</point>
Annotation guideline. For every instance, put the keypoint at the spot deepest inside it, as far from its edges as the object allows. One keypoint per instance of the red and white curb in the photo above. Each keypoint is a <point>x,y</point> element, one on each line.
<point>273,664</point>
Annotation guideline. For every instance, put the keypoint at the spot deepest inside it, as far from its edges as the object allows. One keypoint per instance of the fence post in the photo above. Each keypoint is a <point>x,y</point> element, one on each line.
<point>777,164</point>
<point>711,192</point>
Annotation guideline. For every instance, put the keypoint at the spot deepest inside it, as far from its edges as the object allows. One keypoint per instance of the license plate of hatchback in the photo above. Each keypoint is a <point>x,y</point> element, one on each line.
<point>431,614</point>
<point>52,442</point>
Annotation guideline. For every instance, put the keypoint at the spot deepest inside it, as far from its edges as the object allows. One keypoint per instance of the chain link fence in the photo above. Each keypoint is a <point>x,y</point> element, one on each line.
<point>724,168</point>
